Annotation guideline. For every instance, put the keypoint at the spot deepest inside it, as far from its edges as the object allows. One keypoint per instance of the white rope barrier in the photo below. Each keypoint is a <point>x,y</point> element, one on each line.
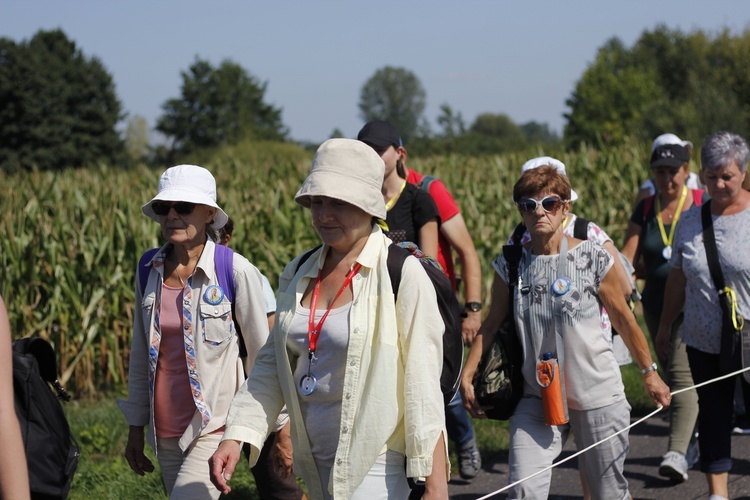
<point>729,375</point>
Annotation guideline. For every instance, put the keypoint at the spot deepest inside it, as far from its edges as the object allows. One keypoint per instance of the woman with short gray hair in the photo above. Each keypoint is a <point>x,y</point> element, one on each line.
<point>724,159</point>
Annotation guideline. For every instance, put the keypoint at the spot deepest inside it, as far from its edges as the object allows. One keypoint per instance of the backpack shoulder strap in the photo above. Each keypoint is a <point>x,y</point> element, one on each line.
<point>426,182</point>
<point>512,254</point>
<point>144,269</point>
<point>305,257</point>
<point>518,233</point>
<point>647,204</point>
<point>396,257</point>
<point>581,228</point>
<point>224,263</point>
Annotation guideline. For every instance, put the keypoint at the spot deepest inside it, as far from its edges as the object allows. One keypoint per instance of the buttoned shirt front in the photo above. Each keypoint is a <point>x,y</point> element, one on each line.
<point>391,397</point>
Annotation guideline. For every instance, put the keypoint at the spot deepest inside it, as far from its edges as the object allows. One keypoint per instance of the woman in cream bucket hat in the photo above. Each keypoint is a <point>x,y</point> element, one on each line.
<point>360,381</point>
<point>184,359</point>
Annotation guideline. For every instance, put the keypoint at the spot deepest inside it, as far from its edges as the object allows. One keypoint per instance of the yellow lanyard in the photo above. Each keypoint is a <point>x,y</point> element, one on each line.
<point>737,320</point>
<point>668,240</point>
<point>393,200</point>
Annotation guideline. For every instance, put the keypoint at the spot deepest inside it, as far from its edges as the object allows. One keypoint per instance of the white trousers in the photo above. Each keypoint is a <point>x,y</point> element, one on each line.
<point>385,481</point>
<point>186,475</point>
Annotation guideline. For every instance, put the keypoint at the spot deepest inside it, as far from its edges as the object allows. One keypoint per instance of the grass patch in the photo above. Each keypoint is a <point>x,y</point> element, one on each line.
<point>103,472</point>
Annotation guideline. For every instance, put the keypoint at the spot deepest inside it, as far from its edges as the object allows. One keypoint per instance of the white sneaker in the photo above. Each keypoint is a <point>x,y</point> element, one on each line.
<point>674,466</point>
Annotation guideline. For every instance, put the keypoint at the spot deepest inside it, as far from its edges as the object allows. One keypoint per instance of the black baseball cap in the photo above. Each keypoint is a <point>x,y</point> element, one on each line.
<point>670,155</point>
<point>380,134</point>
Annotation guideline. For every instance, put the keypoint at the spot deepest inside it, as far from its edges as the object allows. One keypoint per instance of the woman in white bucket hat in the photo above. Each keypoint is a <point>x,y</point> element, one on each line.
<point>358,373</point>
<point>185,363</point>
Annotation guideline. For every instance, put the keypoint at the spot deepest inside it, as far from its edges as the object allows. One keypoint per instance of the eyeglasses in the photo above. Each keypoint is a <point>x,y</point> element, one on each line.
<point>181,207</point>
<point>550,204</point>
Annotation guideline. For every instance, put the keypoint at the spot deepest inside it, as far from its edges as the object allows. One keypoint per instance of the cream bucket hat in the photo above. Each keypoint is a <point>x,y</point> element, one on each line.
<point>346,170</point>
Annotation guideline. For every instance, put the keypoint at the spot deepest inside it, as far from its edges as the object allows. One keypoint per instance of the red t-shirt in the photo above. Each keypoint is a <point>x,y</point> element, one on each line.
<point>447,209</point>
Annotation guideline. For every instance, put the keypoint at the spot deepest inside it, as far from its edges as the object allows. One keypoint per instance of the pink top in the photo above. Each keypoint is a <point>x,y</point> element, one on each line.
<point>173,401</point>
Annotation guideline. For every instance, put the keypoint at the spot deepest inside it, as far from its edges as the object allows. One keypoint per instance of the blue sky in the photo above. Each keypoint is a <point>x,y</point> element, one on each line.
<point>521,58</point>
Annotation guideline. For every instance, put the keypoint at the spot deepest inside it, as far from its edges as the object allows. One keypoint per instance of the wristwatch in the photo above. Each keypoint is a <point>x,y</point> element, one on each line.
<point>651,368</point>
<point>473,306</point>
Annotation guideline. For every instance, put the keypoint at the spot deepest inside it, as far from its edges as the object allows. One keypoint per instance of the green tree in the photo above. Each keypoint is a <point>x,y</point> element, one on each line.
<point>539,133</point>
<point>137,138</point>
<point>452,123</point>
<point>219,105</point>
<point>493,133</point>
<point>396,95</point>
<point>58,108</point>
<point>690,84</point>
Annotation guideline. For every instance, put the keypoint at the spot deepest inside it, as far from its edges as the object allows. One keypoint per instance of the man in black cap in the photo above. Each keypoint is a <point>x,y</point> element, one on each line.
<point>384,138</point>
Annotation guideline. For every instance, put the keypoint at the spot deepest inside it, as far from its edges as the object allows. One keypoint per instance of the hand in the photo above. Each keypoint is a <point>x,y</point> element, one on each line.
<point>281,452</point>
<point>222,464</point>
<point>469,399</point>
<point>662,345</point>
<point>469,326</point>
<point>134,452</point>
<point>656,389</point>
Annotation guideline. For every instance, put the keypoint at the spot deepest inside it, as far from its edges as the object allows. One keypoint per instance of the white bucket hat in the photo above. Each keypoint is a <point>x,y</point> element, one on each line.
<point>548,161</point>
<point>665,139</point>
<point>346,170</point>
<point>187,183</point>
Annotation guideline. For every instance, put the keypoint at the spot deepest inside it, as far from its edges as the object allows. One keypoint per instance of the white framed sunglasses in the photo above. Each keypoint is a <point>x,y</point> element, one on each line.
<point>550,204</point>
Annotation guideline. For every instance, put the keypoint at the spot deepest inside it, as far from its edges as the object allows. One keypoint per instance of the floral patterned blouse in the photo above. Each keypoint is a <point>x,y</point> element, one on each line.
<point>591,373</point>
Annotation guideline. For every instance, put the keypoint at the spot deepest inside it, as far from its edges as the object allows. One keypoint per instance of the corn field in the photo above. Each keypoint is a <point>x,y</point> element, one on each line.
<point>73,238</point>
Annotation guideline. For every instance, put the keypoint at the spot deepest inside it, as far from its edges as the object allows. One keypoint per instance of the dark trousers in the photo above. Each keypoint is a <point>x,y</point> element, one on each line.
<point>269,484</point>
<point>716,408</point>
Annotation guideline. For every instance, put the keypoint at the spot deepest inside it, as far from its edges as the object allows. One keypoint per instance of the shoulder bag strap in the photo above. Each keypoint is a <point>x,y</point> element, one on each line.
<point>728,360</point>
<point>712,253</point>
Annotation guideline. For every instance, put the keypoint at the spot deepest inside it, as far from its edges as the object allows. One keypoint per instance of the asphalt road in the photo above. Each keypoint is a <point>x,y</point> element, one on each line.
<point>648,442</point>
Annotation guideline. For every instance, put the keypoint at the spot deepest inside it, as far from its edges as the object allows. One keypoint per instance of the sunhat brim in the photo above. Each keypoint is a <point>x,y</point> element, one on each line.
<point>183,194</point>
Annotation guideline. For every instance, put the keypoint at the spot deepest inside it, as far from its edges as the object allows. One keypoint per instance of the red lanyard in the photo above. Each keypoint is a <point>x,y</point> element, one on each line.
<point>312,331</point>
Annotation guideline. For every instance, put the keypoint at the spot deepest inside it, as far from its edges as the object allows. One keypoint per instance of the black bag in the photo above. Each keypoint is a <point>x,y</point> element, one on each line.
<point>735,340</point>
<point>499,382</point>
<point>450,311</point>
<point>51,451</point>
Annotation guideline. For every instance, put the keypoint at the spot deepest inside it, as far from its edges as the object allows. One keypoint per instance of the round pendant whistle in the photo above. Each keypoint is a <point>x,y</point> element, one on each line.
<point>307,384</point>
<point>561,286</point>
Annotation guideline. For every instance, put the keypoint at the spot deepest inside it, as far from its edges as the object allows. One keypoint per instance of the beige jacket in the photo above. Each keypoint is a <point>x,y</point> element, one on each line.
<point>219,369</point>
<point>392,398</point>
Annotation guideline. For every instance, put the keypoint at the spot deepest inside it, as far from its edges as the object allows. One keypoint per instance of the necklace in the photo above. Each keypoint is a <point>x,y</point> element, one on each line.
<point>179,276</point>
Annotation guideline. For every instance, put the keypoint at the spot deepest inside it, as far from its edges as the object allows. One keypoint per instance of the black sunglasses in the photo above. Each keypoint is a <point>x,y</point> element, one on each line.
<point>550,204</point>
<point>181,207</point>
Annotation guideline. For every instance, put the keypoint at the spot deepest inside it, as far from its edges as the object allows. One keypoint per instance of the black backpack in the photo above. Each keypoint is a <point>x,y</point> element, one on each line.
<point>51,451</point>
<point>450,309</point>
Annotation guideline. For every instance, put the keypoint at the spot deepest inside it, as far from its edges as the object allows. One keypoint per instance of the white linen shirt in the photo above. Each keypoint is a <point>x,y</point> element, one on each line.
<point>391,397</point>
<point>218,367</point>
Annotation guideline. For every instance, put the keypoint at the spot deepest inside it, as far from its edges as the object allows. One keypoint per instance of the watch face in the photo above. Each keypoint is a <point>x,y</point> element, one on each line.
<point>474,306</point>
